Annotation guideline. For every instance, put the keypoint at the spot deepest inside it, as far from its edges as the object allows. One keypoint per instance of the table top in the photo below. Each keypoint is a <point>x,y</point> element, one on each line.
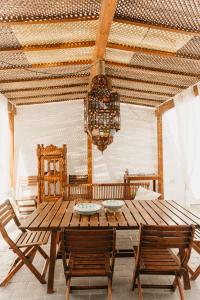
<point>56,216</point>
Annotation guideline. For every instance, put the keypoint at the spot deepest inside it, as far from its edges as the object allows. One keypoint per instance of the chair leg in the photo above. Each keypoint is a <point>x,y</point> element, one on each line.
<point>68,290</point>
<point>46,264</point>
<point>134,280</point>
<point>109,288</point>
<point>16,266</point>
<point>180,288</point>
<point>139,288</point>
<point>195,273</point>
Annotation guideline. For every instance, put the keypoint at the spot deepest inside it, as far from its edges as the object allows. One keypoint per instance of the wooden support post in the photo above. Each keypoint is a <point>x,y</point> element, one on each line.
<point>89,152</point>
<point>11,124</point>
<point>160,155</point>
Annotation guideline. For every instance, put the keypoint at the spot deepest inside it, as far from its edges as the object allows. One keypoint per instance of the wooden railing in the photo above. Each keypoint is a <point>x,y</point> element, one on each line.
<point>103,191</point>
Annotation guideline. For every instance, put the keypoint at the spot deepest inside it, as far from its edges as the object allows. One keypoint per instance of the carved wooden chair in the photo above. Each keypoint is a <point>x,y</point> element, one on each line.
<point>196,247</point>
<point>154,255</point>
<point>88,253</point>
<point>25,246</point>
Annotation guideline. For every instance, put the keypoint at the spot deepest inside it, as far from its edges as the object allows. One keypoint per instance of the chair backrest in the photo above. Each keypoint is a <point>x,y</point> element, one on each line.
<point>89,241</point>
<point>163,237</point>
<point>7,214</point>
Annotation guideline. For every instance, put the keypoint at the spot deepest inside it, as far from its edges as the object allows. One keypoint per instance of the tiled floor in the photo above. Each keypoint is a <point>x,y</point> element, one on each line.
<point>24,286</point>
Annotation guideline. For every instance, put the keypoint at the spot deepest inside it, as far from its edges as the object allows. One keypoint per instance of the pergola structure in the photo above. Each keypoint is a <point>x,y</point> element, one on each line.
<point>50,52</point>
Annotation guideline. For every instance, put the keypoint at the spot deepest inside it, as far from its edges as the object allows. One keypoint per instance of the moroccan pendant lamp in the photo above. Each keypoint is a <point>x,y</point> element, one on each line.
<point>102,110</point>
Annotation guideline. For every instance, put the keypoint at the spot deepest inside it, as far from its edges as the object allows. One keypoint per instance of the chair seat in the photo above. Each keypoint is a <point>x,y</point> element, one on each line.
<point>159,260</point>
<point>89,265</point>
<point>32,238</point>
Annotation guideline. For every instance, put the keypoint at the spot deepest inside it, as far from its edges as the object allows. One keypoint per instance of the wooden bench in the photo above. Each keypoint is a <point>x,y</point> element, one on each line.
<point>103,191</point>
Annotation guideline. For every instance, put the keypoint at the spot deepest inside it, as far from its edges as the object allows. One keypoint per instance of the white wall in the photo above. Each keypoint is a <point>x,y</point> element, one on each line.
<point>134,146</point>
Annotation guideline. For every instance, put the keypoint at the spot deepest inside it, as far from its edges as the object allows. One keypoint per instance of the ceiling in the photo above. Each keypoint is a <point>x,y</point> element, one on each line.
<point>47,49</point>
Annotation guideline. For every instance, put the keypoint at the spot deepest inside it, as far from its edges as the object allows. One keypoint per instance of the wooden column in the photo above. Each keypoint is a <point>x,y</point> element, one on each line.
<point>160,155</point>
<point>11,124</point>
<point>89,158</point>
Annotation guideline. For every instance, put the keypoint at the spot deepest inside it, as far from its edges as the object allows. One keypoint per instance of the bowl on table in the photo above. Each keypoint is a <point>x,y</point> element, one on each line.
<point>113,205</point>
<point>87,208</point>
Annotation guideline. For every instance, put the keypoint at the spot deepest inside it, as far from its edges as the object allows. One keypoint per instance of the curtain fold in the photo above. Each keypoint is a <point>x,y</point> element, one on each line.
<point>5,188</point>
<point>183,164</point>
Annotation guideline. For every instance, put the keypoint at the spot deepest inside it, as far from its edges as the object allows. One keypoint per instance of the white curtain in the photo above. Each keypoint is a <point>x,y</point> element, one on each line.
<point>182,168</point>
<point>4,150</point>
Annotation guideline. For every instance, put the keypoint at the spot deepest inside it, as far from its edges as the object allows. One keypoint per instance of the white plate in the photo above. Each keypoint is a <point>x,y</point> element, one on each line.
<point>113,205</point>
<point>87,208</point>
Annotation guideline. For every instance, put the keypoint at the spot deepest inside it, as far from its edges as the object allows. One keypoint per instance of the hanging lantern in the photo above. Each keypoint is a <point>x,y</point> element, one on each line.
<point>102,112</point>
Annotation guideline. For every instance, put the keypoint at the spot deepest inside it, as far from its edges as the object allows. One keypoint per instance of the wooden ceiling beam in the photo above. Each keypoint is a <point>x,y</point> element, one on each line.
<point>47,101</point>
<point>52,87</point>
<point>146,51</point>
<point>47,65</point>
<point>107,13</point>
<point>47,47</point>
<point>43,78</point>
<point>142,91</point>
<point>164,84</point>
<point>141,99</point>
<point>48,95</point>
<point>161,109</point>
<point>156,27</point>
<point>134,102</point>
<point>11,22</point>
<point>118,64</point>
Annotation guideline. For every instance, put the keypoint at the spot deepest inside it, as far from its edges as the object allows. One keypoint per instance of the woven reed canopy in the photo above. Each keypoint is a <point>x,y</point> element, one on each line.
<point>47,48</point>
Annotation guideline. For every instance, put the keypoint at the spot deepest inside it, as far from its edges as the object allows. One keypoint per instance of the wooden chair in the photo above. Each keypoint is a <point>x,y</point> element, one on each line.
<point>25,246</point>
<point>91,253</point>
<point>196,247</point>
<point>155,257</point>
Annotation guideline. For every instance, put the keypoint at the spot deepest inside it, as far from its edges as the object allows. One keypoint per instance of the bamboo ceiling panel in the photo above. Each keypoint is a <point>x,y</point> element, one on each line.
<point>53,56</point>
<point>47,92</point>
<point>40,83</point>
<point>182,14</point>
<point>141,94</point>
<point>139,101</point>
<point>166,63</point>
<point>55,33</point>
<point>142,74</point>
<point>192,48</point>
<point>145,86</point>
<point>57,98</point>
<point>16,74</point>
<point>118,55</point>
<point>8,38</point>
<point>137,36</point>
<point>12,59</point>
<point>47,9</point>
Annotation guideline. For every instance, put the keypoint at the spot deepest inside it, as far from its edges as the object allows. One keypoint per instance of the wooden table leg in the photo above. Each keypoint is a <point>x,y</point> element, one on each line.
<point>52,262</point>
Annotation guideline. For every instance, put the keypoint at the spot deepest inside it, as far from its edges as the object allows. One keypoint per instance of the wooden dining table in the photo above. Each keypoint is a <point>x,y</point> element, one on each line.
<point>55,216</point>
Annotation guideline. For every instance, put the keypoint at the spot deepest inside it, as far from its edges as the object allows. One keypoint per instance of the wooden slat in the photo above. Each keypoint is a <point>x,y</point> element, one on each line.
<point>190,214</point>
<point>47,47</point>
<point>38,220</point>
<point>154,213</point>
<point>139,219</point>
<point>161,216</point>
<point>48,219</point>
<point>60,214</point>
<point>146,215</point>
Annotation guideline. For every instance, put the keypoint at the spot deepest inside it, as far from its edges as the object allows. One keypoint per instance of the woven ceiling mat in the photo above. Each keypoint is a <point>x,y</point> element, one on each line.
<point>141,94</point>
<point>47,91</point>
<point>148,75</point>
<point>8,38</point>
<point>8,59</point>
<point>16,74</point>
<point>192,48</point>
<point>50,99</point>
<point>139,101</point>
<point>23,85</point>
<point>180,14</point>
<point>166,63</point>
<point>53,56</point>
<point>118,55</point>
<point>137,36</point>
<point>47,9</point>
<point>144,86</point>
<point>55,33</point>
